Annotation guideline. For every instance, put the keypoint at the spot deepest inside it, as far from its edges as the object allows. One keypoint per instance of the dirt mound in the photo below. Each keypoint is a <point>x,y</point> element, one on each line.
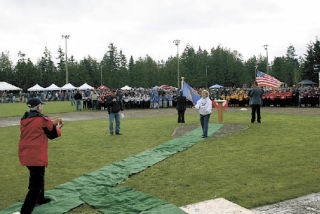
<point>225,130</point>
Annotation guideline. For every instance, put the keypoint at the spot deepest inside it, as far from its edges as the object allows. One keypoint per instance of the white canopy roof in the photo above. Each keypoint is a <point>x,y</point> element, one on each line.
<point>126,87</point>
<point>4,86</point>
<point>36,87</point>
<point>85,86</point>
<point>68,86</point>
<point>52,87</point>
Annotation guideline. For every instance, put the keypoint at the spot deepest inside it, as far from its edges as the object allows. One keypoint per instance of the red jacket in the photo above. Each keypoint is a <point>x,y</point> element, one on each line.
<point>35,130</point>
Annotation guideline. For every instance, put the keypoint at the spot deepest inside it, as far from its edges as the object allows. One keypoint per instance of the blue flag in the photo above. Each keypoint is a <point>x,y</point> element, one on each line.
<point>190,93</point>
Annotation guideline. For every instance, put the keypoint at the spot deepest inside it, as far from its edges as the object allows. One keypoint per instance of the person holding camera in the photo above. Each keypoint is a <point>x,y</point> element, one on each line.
<point>35,130</point>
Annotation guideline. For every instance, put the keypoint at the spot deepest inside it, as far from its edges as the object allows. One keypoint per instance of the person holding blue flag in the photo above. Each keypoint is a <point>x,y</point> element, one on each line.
<point>205,107</point>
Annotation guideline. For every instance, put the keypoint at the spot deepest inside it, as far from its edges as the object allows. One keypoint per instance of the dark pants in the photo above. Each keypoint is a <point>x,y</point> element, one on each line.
<point>255,108</point>
<point>181,116</point>
<point>36,189</point>
<point>204,120</point>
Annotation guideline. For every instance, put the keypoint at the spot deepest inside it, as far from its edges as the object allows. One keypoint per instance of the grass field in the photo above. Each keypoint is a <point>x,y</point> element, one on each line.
<point>266,163</point>
<point>18,109</point>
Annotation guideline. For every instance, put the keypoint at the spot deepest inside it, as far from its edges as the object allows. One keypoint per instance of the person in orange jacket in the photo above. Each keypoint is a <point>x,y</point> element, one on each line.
<point>35,130</point>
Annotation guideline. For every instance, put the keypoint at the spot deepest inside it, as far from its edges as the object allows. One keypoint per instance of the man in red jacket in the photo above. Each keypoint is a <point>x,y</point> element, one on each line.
<point>35,130</point>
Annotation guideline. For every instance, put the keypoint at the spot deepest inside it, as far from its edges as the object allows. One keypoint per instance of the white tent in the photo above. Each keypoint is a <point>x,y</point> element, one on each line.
<point>68,86</point>
<point>126,88</point>
<point>4,86</point>
<point>36,87</point>
<point>52,87</point>
<point>85,86</point>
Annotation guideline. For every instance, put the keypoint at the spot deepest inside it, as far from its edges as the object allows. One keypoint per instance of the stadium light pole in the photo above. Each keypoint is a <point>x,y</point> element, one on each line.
<point>266,48</point>
<point>177,42</point>
<point>66,37</point>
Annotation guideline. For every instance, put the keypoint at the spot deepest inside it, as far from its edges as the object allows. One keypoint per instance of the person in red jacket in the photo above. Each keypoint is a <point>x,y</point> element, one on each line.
<point>35,130</point>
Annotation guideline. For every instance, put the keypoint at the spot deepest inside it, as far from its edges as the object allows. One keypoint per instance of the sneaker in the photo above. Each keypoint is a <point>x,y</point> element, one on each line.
<point>16,213</point>
<point>111,134</point>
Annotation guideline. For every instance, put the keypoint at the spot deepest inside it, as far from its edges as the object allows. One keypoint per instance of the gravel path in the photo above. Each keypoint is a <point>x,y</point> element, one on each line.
<point>89,115</point>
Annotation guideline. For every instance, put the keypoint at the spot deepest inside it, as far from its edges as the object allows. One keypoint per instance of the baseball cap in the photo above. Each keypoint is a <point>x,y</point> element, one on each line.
<point>33,102</point>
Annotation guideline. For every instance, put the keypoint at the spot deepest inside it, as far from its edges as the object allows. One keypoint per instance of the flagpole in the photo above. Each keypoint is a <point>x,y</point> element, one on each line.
<point>255,72</point>
<point>182,80</point>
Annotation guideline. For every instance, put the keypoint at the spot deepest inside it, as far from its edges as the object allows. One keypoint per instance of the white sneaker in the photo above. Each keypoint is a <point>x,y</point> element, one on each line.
<point>16,213</point>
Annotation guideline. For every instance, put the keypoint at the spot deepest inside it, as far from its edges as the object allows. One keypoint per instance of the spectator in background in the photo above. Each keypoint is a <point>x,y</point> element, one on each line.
<point>94,100</point>
<point>78,98</point>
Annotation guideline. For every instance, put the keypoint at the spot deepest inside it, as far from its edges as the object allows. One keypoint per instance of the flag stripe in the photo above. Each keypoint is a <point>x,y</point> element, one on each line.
<point>266,80</point>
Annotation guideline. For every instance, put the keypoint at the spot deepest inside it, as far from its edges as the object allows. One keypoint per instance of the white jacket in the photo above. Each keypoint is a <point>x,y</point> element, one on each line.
<point>204,106</point>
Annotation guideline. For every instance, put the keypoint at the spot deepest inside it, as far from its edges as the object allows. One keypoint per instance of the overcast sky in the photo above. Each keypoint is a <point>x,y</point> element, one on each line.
<point>141,27</point>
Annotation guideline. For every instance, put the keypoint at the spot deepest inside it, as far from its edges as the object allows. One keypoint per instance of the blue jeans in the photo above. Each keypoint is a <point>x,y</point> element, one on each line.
<point>115,116</point>
<point>78,105</point>
<point>204,120</point>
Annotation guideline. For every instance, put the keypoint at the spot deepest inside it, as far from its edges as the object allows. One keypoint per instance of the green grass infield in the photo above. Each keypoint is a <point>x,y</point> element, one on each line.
<point>264,164</point>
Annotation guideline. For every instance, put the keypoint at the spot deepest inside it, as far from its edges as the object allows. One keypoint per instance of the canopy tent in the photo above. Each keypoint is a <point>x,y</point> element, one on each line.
<point>166,87</point>
<point>52,87</point>
<point>85,86</point>
<point>4,86</point>
<point>216,86</point>
<point>68,86</point>
<point>126,88</point>
<point>306,82</point>
<point>36,87</point>
<point>103,87</point>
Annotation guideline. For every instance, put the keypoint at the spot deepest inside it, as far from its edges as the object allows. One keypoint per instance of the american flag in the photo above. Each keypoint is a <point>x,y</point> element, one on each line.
<point>267,80</point>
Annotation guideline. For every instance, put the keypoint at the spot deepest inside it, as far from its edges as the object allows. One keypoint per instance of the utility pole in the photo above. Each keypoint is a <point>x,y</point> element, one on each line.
<point>66,37</point>
<point>177,42</point>
<point>101,74</point>
<point>206,76</point>
<point>316,69</point>
<point>266,48</point>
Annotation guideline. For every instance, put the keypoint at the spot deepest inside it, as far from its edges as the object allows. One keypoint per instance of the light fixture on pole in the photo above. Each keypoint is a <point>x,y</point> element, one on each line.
<point>177,42</point>
<point>66,37</point>
<point>266,48</point>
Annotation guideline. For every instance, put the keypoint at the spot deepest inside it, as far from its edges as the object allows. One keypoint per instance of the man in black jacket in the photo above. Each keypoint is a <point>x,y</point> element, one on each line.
<point>78,98</point>
<point>181,107</point>
<point>114,107</point>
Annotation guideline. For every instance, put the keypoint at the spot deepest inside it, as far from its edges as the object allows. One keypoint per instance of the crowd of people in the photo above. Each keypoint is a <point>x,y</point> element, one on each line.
<point>283,97</point>
<point>160,98</point>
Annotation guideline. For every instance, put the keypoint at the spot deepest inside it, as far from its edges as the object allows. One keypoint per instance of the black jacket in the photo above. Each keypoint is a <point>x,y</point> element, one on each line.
<point>78,96</point>
<point>114,106</point>
<point>181,103</point>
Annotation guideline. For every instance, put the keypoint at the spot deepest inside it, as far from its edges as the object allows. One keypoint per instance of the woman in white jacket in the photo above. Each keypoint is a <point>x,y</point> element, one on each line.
<point>205,107</point>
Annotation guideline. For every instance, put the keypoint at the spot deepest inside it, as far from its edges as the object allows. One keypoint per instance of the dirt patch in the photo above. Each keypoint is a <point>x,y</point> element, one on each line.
<point>134,113</point>
<point>225,130</point>
<point>182,130</point>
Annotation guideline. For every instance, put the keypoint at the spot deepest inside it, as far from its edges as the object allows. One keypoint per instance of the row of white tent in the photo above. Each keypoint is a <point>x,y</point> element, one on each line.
<point>66,87</point>
<point>4,86</point>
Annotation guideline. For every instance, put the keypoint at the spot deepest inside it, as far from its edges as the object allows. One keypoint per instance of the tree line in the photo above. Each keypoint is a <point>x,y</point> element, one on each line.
<point>200,68</point>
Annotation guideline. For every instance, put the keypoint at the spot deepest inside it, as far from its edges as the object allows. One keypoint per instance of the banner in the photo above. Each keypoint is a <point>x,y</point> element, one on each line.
<point>189,93</point>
